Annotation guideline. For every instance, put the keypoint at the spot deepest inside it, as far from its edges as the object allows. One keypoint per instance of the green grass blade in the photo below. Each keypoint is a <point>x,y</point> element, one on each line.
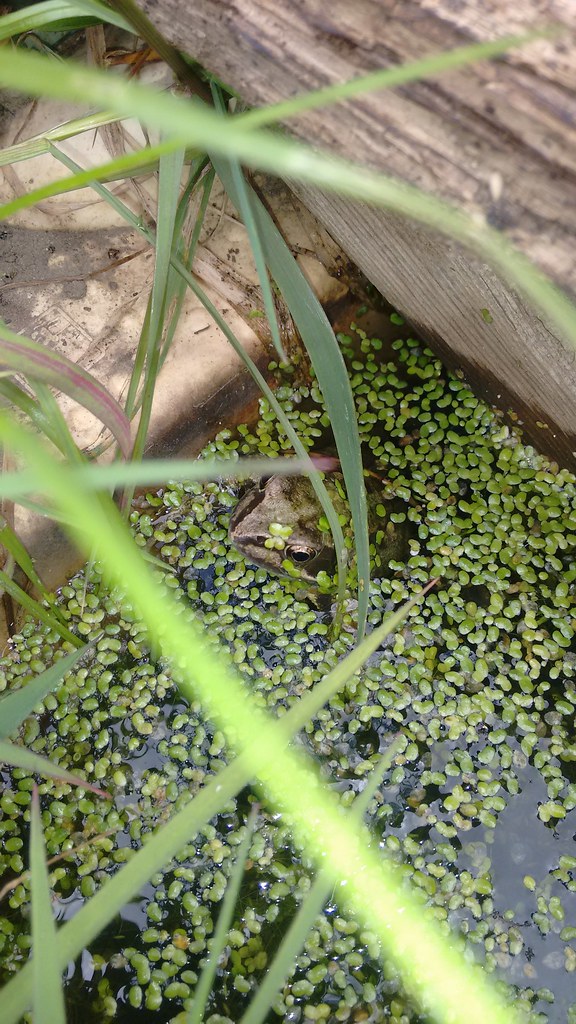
<point>48,988</point>
<point>57,14</point>
<point>10,540</point>
<point>16,486</point>
<point>315,477</point>
<point>130,163</point>
<point>330,370</point>
<point>316,897</point>
<point>19,757</point>
<point>53,415</point>
<point>16,395</point>
<point>191,123</point>
<point>168,190</point>
<point>36,609</point>
<point>16,706</point>
<point>25,356</point>
<point>389,78</point>
<point>39,144</point>
<point>243,202</point>
<point>225,915</point>
<point>454,990</point>
<point>245,208</point>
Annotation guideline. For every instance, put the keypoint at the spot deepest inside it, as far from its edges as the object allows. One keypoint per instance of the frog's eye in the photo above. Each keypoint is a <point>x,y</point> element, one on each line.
<point>300,553</point>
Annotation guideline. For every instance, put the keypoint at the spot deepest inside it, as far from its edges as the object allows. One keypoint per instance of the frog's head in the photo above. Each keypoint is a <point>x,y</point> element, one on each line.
<point>276,525</point>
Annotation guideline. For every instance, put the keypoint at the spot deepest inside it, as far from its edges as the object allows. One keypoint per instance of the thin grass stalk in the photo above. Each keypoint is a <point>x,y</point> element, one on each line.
<point>310,908</point>
<point>225,916</point>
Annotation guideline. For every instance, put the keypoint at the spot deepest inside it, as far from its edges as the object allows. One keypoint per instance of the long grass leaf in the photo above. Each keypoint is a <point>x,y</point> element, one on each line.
<point>315,478</point>
<point>294,938</point>
<point>190,123</point>
<point>22,355</point>
<point>243,202</point>
<point>36,145</point>
<point>432,969</point>
<point>11,541</point>
<point>329,367</point>
<point>48,1002</point>
<point>36,609</point>
<point>58,14</point>
<point>130,163</point>
<point>225,915</point>
<point>19,757</point>
<point>389,78</point>
<point>16,706</point>
<point>92,477</point>
<point>168,190</point>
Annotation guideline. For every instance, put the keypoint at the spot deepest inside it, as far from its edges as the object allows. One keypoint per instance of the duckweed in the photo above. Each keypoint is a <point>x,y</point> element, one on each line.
<point>478,808</point>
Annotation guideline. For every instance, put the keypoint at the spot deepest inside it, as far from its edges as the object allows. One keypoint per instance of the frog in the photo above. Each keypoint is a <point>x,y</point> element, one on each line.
<point>279,525</point>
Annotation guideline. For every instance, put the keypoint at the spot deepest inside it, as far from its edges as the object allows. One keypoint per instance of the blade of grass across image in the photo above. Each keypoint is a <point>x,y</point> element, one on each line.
<point>19,757</point>
<point>47,984</point>
<point>58,14</point>
<point>329,367</point>
<point>224,922</point>
<point>432,970</point>
<point>39,144</point>
<point>191,123</point>
<point>389,78</point>
<point>16,706</point>
<point>295,937</point>
<point>37,610</point>
<point>22,355</point>
<point>93,477</point>
<point>168,191</point>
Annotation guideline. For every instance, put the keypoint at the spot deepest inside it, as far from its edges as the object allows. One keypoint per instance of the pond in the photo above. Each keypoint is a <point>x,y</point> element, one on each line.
<point>477,688</point>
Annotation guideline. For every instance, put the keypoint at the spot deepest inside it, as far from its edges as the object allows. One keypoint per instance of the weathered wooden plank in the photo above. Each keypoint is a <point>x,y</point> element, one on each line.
<point>496,138</point>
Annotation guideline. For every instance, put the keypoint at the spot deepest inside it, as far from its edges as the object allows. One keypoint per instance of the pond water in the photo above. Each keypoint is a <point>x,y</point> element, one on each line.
<point>478,687</point>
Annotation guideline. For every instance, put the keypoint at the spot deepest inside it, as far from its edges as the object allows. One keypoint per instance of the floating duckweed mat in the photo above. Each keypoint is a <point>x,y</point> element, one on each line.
<point>478,806</point>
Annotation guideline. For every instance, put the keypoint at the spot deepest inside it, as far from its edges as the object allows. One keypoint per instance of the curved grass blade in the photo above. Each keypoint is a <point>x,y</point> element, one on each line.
<point>36,609</point>
<point>58,14</point>
<point>389,78</point>
<point>315,477</point>
<point>168,189</point>
<point>131,163</point>
<point>225,915</point>
<point>11,541</point>
<point>35,764</point>
<point>198,126</point>
<point>94,477</point>
<point>432,969</point>
<point>39,144</point>
<point>17,396</point>
<point>300,925</point>
<point>16,706</point>
<point>48,993</point>
<point>22,355</point>
<point>329,367</point>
